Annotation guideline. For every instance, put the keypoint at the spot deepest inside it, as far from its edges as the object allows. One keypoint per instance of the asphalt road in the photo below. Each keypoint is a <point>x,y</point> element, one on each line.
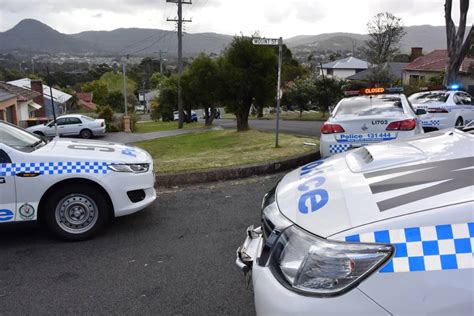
<point>306,128</point>
<point>174,258</point>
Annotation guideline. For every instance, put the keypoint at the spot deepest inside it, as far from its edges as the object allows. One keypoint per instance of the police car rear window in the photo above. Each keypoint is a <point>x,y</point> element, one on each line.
<point>429,97</point>
<point>370,105</point>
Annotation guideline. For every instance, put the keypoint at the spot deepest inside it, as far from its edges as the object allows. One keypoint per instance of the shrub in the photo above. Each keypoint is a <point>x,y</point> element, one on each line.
<point>106,113</point>
<point>112,128</point>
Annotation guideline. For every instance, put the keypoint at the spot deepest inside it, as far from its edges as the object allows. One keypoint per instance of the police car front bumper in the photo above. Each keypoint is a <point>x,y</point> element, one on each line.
<point>272,298</point>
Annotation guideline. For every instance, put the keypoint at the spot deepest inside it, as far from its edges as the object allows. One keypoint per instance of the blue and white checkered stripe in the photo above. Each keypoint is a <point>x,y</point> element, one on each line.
<point>430,123</point>
<point>339,148</point>
<point>432,248</point>
<point>53,168</point>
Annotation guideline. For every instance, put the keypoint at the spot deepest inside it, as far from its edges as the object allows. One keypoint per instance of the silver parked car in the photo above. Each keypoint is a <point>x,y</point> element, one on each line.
<point>71,125</point>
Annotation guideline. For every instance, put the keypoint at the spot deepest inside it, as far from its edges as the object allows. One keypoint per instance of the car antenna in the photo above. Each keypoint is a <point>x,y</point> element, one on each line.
<point>48,80</point>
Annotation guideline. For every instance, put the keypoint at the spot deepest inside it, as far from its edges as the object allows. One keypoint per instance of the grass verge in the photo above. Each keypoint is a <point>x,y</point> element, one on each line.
<point>221,149</point>
<point>152,126</point>
<point>287,116</point>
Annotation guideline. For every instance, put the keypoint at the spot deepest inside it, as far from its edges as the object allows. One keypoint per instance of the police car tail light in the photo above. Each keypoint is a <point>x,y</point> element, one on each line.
<point>133,168</point>
<point>437,110</point>
<point>405,125</point>
<point>315,266</point>
<point>331,128</point>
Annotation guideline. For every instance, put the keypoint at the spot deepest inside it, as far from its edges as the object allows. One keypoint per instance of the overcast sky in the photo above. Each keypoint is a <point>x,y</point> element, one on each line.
<point>271,18</point>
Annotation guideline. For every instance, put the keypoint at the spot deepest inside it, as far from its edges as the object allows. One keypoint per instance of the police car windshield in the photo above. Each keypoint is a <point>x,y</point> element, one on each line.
<point>17,138</point>
<point>431,96</point>
<point>370,105</point>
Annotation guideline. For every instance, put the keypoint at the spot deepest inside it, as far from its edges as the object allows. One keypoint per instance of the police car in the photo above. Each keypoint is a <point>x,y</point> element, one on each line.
<point>75,186</point>
<point>371,115</point>
<point>446,108</point>
<point>383,229</point>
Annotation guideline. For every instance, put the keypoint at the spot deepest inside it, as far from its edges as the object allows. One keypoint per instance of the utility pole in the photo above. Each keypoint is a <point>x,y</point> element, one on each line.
<point>161,70</point>
<point>126,118</point>
<point>50,83</point>
<point>180,22</point>
<point>280,57</point>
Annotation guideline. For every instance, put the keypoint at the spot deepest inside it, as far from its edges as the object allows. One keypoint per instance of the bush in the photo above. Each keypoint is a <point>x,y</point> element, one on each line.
<point>106,113</point>
<point>112,128</point>
<point>134,118</point>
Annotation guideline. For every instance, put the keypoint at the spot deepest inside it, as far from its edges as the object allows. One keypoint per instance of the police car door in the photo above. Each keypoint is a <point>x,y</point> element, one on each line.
<point>7,189</point>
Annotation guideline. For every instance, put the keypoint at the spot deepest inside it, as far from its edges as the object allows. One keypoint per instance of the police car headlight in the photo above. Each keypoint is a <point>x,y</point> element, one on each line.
<point>133,168</point>
<point>315,266</point>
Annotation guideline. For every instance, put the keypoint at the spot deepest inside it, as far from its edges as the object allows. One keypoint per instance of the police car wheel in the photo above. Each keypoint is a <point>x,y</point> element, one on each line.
<point>459,122</point>
<point>85,133</point>
<point>76,213</point>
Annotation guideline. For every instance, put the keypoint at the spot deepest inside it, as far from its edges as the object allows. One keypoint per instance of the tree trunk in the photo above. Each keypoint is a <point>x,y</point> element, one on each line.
<point>210,116</point>
<point>242,121</point>
<point>260,111</point>
<point>457,51</point>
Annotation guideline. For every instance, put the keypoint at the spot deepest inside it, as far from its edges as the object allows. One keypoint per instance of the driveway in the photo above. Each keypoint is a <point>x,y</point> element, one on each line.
<point>126,138</point>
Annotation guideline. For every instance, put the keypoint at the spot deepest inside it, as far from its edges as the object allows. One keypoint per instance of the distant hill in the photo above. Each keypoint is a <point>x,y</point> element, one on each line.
<point>32,36</point>
<point>426,36</point>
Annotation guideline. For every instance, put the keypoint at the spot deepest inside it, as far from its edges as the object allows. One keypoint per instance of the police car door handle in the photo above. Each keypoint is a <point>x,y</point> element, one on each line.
<point>2,180</point>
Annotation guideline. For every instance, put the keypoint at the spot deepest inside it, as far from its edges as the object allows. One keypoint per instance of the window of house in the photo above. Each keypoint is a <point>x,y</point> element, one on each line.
<point>330,72</point>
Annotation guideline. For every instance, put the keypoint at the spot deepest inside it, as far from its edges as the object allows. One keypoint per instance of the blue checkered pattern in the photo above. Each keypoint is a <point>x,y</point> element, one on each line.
<point>52,168</point>
<point>432,248</point>
<point>430,123</point>
<point>339,148</point>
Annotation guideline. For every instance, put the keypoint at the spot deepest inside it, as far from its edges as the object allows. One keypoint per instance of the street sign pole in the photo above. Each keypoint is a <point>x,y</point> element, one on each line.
<point>274,42</point>
<point>280,53</point>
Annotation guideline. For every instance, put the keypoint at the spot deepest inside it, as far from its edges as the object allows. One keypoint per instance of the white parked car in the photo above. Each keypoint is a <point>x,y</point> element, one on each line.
<point>378,115</point>
<point>76,186</point>
<point>71,125</point>
<point>445,108</point>
<point>386,229</point>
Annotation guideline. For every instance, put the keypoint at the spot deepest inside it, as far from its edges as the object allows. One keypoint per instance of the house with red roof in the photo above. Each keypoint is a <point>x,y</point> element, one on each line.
<point>422,68</point>
<point>85,101</point>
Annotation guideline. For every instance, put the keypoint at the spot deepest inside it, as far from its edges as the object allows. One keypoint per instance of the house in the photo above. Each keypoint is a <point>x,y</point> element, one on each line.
<point>26,106</point>
<point>343,68</point>
<point>395,70</point>
<point>59,98</point>
<point>85,101</point>
<point>8,107</point>
<point>433,64</point>
<point>146,98</point>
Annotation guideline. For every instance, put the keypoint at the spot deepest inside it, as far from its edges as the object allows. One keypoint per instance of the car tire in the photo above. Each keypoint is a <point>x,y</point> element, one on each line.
<point>459,122</point>
<point>86,133</point>
<point>76,213</point>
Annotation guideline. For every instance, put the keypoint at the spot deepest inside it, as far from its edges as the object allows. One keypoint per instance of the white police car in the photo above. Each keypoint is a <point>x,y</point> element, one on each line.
<point>445,108</point>
<point>383,229</point>
<point>76,186</point>
<point>371,115</point>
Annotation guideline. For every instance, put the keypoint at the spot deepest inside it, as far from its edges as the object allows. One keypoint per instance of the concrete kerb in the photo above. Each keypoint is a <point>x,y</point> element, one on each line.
<point>175,179</point>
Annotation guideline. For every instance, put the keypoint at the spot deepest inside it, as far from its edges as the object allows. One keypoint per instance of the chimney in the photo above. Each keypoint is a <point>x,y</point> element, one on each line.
<point>415,53</point>
<point>37,85</point>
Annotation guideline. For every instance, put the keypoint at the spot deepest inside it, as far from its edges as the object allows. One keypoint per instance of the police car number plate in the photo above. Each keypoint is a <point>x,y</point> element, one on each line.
<point>368,137</point>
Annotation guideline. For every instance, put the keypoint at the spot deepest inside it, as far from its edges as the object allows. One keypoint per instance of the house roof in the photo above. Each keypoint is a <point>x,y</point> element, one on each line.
<point>436,61</point>
<point>85,96</point>
<point>347,63</point>
<point>87,105</point>
<point>22,94</point>
<point>395,70</point>
<point>58,95</point>
<point>5,96</point>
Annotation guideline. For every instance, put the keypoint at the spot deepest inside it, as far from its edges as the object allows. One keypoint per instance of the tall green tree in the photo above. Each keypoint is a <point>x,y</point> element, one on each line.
<point>247,75</point>
<point>99,91</point>
<point>328,92</point>
<point>457,50</point>
<point>168,101</point>
<point>385,33</point>
<point>114,82</point>
<point>301,92</point>
<point>200,86</point>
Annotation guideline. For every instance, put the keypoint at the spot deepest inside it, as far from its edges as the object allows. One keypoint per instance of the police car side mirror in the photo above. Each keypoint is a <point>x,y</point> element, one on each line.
<point>420,112</point>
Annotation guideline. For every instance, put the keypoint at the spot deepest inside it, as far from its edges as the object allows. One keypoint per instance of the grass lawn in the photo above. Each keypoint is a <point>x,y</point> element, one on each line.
<point>288,116</point>
<point>219,149</point>
<point>151,126</point>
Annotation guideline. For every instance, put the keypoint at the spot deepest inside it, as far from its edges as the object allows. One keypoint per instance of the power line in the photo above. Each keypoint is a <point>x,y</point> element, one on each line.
<point>152,44</point>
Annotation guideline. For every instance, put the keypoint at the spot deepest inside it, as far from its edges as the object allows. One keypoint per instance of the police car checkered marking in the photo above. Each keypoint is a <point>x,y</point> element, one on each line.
<point>432,248</point>
<point>339,148</point>
<point>53,168</point>
<point>431,123</point>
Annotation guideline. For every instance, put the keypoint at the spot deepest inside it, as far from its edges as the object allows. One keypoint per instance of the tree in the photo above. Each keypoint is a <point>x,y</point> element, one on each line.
<point>114,82</point>
<point>328,92</point>
<point>115,100</point>
<point>300,92</point>
<point>247,74</point>
<point>156,79</point>
<point>385,33</point>
<point>168,101</point>
<point>97,71</point>
<point>99,91</point>
<point>200,84</point>
<point>457,51</point>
